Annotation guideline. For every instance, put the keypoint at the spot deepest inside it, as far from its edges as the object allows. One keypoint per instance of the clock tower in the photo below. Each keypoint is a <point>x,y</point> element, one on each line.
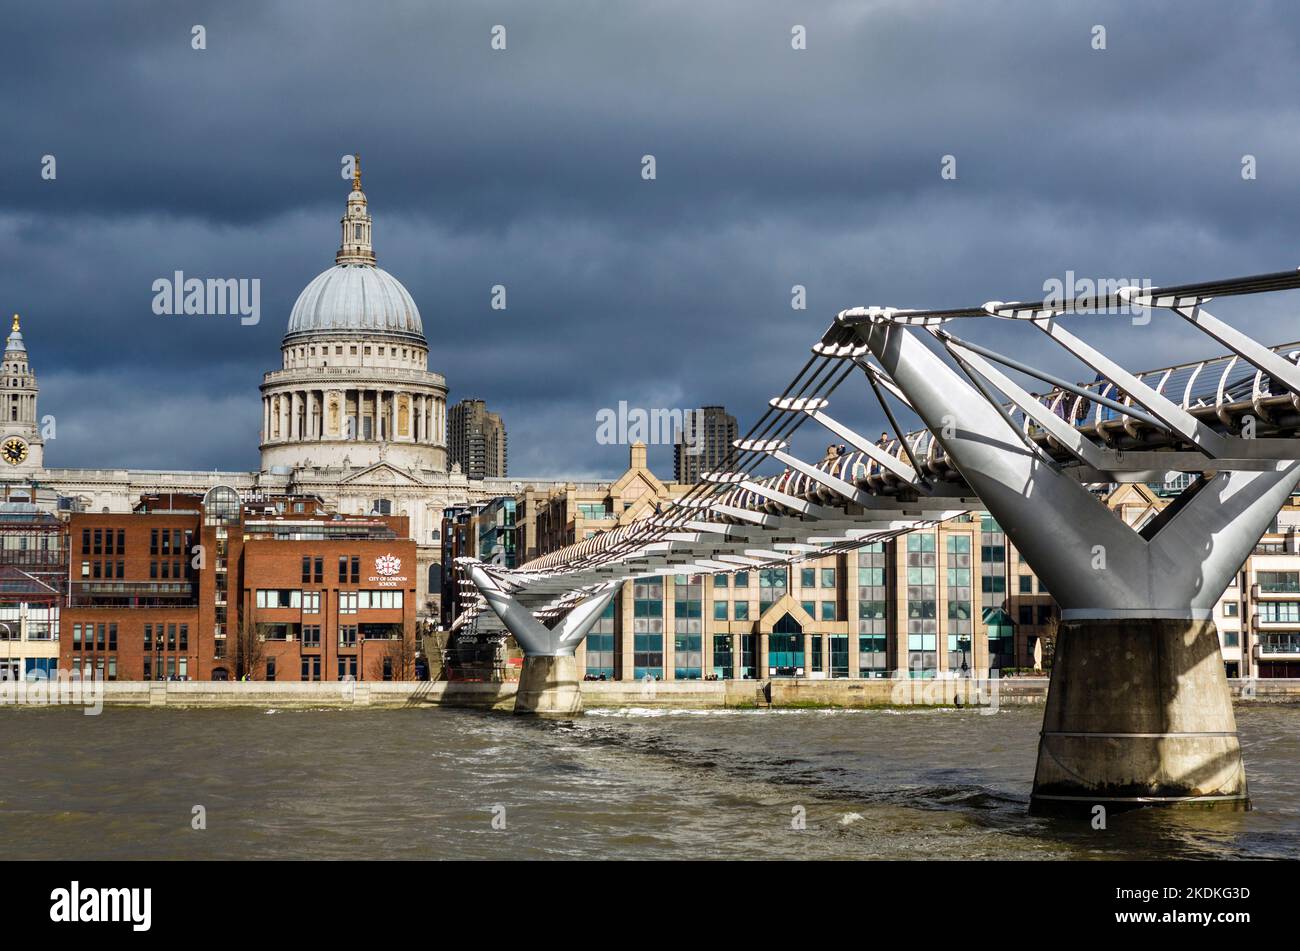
<point>21,446</point>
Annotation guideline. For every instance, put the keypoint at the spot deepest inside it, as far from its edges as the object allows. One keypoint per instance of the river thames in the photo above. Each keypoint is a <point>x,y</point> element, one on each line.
<point>428,783</point>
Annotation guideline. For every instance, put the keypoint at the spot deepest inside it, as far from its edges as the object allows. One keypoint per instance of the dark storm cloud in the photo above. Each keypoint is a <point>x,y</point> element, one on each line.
<point>775,167</point>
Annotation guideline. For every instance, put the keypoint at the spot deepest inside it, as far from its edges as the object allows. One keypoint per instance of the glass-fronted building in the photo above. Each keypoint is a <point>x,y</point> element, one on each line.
<point>909,606</point>
<point>903,605</point>
<point>495,523</point>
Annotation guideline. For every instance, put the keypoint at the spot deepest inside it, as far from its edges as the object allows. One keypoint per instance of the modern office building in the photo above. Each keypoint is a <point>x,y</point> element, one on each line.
<point>496,533</point>
<point>908,603</point>
<point>905,604</point>
<point>704,443</point>
<point>933,602</point>
<point>993,602</point>
<point>478,440</point>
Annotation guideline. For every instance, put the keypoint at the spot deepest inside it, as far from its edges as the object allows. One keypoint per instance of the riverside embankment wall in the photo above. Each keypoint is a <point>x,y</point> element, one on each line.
<point>691,694</point>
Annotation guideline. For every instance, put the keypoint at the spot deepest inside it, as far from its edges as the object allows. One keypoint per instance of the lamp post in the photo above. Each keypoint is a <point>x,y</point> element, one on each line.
<point>8,649</point>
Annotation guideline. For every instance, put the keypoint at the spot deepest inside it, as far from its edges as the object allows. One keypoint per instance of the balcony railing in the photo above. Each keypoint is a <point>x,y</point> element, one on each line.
<point>1284,590</point>
<point>376,374</point>
<point>1275,644</point>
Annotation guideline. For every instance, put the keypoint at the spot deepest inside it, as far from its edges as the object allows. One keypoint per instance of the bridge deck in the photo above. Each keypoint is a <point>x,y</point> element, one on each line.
<point>1182,418</point>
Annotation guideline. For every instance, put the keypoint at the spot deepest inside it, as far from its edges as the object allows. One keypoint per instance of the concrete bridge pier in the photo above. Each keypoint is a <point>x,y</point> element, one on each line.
<point>550,684</point>
<point>1138,712</point>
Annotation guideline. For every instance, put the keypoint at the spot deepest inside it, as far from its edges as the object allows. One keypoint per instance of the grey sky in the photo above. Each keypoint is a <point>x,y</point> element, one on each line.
<point>775,167</point>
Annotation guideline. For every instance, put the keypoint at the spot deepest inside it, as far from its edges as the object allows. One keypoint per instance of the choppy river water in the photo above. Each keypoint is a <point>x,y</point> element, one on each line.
<point>427,784</point>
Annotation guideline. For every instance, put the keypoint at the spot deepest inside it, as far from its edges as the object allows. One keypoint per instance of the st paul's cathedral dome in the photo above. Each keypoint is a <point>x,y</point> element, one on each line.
<point>354,387</point>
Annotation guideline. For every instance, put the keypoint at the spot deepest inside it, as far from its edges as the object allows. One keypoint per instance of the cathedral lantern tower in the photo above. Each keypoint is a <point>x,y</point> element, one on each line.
<point>21,446</point>
<point>356,246</point>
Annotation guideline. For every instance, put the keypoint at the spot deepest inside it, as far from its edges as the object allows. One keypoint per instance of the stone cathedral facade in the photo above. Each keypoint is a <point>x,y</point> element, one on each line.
<point>353,414</point>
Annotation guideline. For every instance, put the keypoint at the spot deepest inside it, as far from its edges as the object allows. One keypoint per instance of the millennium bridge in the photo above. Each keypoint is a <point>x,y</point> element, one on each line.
<point>1138,710</point>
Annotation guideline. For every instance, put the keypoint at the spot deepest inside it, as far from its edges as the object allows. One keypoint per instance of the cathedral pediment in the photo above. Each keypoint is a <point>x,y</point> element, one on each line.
<point>383,473</point>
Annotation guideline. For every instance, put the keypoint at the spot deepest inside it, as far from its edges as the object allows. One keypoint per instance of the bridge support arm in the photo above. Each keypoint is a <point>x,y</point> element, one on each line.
<point>1138,711</point>
<point>550,683</point>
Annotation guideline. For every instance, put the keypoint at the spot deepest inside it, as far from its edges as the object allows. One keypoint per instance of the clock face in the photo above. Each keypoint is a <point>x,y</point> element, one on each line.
<point>13,451</point>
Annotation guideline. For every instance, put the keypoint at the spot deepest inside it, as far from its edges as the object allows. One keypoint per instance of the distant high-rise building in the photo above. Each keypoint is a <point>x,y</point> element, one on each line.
<point>478,440</point>
<point>704,443</point>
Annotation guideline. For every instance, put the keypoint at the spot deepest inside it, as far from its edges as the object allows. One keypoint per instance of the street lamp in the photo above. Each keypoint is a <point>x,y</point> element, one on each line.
<point>9,651</point>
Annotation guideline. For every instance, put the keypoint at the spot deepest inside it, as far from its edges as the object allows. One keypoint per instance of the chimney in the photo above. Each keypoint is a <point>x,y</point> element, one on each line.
<point>637,456</point>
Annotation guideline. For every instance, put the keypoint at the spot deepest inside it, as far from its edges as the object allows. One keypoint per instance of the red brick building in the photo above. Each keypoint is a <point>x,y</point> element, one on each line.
<point>217,587</point>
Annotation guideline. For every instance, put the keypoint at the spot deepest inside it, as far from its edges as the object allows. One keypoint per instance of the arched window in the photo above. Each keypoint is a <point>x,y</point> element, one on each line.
<point>221,504</point>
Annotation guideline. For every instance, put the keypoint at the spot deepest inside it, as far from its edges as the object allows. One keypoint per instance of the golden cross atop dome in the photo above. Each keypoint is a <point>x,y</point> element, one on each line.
<point>356,172</point>
<point>15,323</point>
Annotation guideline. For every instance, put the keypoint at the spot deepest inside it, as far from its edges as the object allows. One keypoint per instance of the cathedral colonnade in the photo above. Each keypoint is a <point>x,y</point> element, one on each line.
<point>384,413</point>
